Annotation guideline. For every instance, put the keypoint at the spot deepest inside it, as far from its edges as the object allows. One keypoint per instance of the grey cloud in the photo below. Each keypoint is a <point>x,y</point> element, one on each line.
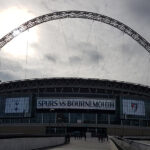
<point>51,58</point>
<point>11,69</point>
<point>5,76</point>
<point>75,60</point>
<point>130,51</point>
<point>10,64</point>
<point>140,8</point>
<point>94,56</point>
<point>89,53</point>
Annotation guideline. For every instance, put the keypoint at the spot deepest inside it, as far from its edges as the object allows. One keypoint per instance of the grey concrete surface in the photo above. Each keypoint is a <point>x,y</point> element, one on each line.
<point>89,144</point>
<point>126,144</point>
<point>143,142</point>
<point>30,143</point>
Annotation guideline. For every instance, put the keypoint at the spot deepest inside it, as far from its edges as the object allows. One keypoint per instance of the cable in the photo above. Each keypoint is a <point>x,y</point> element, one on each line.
<point>0,60</point>
<point>26,61</point>
<point>148,71</point>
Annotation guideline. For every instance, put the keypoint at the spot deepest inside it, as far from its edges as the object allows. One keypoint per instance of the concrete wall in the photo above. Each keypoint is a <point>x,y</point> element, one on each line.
<point>130,145</point>
<point>20,129</point>
<point>30,143</point>
<point>36,129</point>
<point>128,131</point>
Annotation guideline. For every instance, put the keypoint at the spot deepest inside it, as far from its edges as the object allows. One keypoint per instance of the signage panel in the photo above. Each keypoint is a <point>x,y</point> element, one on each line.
<point>133,107</point>
<point>75,103</point>
<point>17,105</point>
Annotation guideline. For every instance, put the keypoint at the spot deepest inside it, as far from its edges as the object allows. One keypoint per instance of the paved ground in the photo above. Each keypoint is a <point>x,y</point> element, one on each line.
<point>143,142</point>
<point>89,144</point>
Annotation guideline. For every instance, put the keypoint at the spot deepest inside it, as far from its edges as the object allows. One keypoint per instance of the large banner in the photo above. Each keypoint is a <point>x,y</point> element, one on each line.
<point>75,103</point>
<point>133,107</point>
<point>17,105</point>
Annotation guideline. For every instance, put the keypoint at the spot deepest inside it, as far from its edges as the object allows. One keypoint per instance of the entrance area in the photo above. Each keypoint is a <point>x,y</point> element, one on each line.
<point>77,131</point>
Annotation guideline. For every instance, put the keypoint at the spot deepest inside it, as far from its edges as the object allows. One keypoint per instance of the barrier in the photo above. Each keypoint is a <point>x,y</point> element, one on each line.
<point>29,143</point>
<point>125,144</point>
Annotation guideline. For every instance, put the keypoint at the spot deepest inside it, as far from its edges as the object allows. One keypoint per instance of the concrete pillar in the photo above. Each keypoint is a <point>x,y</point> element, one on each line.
<point>108,118</point>
<point>55,117</point>
<point>42,118</point>
<point>69,117</point>
<point>96,118</point>
<point>82,117</point>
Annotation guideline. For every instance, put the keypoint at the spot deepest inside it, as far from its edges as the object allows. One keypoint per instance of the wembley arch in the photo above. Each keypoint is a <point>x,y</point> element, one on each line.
<point>57,106</point>
<point>75,14</point>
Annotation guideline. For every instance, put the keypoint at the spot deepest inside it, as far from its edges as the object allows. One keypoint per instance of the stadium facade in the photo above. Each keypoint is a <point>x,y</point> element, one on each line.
<point>61,105</point>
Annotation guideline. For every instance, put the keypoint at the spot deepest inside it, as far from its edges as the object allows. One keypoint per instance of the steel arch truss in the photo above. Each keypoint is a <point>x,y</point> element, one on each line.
<point>75,14</point>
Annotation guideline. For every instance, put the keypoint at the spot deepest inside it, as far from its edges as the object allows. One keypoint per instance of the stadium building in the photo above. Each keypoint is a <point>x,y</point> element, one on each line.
<point>62,105</point>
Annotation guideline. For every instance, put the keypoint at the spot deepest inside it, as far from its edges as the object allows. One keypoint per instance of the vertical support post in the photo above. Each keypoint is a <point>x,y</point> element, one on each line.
<point>69,118</point>
<point>82,117</point>
<point>55,130</point>
<point>42,118</point>
<point>96,118</point>
<point>55,117</point>
<point>108,118</point>
<point>96,131</point>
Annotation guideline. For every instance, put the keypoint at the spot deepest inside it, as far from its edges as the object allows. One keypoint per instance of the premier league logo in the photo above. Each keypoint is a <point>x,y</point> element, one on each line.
<point>134,106</point>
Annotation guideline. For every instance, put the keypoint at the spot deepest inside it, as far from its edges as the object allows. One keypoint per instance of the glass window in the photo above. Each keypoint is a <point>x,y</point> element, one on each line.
<point>60,131</point>
<point>49,117</point>
<point>102,118</point>
<point>37,118</point>
<point>134,122</point>
<point>126,122</point>
<point>75,117</point>
<point>50,130</point>
<point>89,118</point>
<point>143,123</point>
<point>62,118</point>
<point>114,119</point>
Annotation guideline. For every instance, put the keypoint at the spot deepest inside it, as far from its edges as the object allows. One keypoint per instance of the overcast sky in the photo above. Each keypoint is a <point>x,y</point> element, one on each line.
<point>75,47</point>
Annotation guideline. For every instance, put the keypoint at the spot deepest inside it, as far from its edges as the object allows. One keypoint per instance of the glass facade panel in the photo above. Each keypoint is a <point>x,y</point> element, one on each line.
<point>37,118</point>
<point>90,118</point>
<point>60,131</point>
<point>102,118</point>
<point>114,119</point>
<point>49,117</point>
<point>76,118</point>
<point>126,122</point>
<point>143,123</point>
<point>134,122</point>
<point>50,130</point>
<point>62,118</point>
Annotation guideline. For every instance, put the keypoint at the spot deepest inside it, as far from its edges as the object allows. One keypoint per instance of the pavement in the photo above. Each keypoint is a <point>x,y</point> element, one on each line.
<point>143,142</point>
<point>81,144</point>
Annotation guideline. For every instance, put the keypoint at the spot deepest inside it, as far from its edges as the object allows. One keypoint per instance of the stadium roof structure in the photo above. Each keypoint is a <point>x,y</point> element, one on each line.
<point>73,85</point>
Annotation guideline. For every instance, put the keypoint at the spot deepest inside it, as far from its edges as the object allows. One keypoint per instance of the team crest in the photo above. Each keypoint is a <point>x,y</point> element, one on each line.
<point>134,106</point>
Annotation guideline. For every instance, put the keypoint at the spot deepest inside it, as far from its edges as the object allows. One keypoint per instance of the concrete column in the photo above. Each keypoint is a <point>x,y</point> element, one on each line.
<point>96,118</point>
<point>69,117</point>
<point>55,116</point>
<point>42,118</point>
<point>82,117</point>
<point>96,130</point>
<point>121,122</point>
<point>108,118</point>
